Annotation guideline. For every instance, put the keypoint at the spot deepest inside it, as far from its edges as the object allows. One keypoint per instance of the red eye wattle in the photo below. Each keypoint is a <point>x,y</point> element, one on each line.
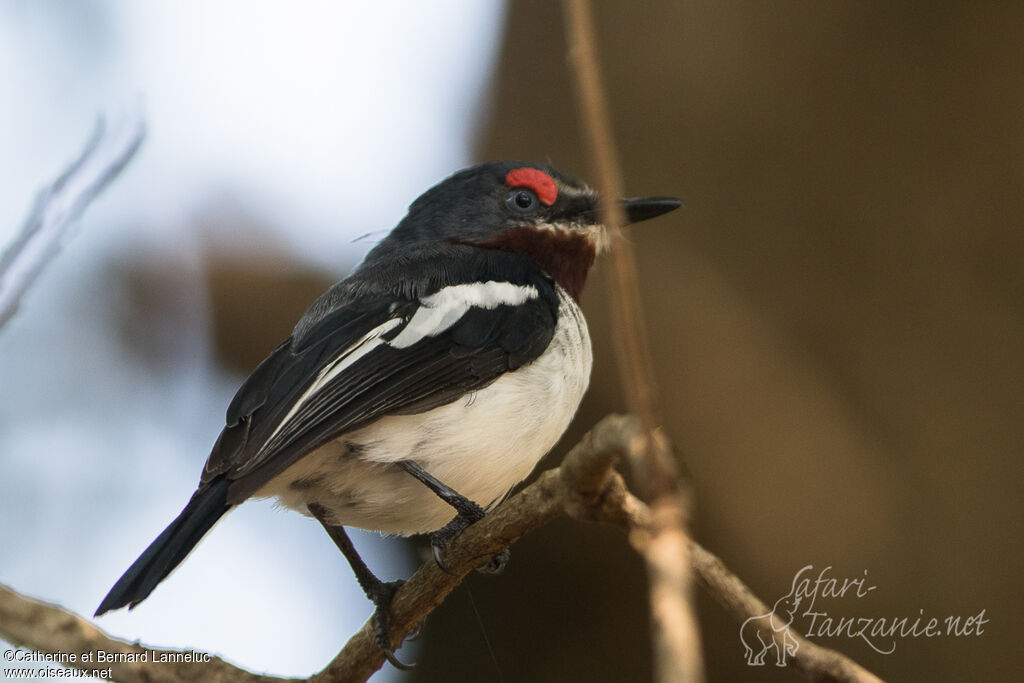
<point>541,183</point>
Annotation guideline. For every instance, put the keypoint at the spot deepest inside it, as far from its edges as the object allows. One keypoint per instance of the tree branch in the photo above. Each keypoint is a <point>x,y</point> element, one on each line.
<point>585,487</point>
<point>664,543</point>
<point>59,204</point>
<point>817,663</point>
<point>48,628</point>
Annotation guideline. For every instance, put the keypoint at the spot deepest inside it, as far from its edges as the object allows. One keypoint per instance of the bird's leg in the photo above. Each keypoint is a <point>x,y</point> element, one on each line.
<point>379,592</point>
<point>468,513</point>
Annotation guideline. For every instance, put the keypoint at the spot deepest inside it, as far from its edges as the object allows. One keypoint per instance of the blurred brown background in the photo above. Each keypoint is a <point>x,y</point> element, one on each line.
<point>836,320</point>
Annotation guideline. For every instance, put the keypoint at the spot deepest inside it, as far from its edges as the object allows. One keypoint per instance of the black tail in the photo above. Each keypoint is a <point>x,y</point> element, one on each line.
<point>165,553</point>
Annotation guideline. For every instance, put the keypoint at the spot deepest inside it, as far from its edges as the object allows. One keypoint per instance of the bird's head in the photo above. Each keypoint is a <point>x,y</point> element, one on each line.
<point>531,209</point>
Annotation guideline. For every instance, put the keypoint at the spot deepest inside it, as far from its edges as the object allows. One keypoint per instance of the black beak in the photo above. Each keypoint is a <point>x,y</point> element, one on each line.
<point>641,208</point>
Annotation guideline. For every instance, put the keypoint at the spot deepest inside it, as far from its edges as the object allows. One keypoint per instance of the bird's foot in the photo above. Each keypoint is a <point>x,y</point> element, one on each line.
<point>468,513</point>
<point>381,596</point>
<point>441,539</point>
<point>379,592</point>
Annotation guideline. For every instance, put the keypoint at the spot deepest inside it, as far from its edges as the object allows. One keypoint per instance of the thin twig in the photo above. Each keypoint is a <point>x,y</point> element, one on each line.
<point>665,543</point>
<point>60,203</point>
<point>47,628</point>
<point>817,663</point>
<point>635,369</point>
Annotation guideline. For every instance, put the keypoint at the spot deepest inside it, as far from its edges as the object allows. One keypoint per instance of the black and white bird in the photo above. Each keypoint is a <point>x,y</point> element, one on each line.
<point>413,395</point>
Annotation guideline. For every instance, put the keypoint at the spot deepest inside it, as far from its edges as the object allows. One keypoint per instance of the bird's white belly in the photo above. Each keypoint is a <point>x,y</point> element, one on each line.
<point>480,445</point>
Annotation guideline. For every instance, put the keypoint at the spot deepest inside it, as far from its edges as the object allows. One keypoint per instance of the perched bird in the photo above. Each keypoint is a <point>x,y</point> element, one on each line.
<point>414,394</point>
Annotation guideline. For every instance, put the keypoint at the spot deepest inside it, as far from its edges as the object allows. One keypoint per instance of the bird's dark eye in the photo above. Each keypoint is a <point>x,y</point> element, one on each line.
<point>522,201</point>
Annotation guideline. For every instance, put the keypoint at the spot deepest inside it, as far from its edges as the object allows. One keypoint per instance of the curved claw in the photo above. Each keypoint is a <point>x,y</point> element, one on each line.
<point>415,634</point>
<point>380,624</point>
<point>440,539</point>
<point>437,549</point>
<point>393,661</point>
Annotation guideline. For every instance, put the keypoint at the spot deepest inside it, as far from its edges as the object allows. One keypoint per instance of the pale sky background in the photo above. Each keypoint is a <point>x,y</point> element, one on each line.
<point>322,119</point>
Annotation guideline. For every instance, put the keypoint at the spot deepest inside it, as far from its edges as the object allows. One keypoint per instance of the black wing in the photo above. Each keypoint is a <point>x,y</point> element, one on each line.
<point>355,365</point>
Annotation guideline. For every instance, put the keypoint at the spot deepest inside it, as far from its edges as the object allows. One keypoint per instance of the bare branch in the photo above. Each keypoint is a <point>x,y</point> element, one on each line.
<point>59,204</point>
<point>663,543</point>
<point>658,530</point>
<point>635,369</point>
<point>585,487</point>
<point>581,486</point>
<point>48,628</point>
<point>817,663</point>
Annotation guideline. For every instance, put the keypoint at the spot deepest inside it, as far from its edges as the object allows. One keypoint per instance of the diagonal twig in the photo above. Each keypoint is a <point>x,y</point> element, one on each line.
<point>60,203</point>
<point>664,543</point>
<point>50,629</point>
